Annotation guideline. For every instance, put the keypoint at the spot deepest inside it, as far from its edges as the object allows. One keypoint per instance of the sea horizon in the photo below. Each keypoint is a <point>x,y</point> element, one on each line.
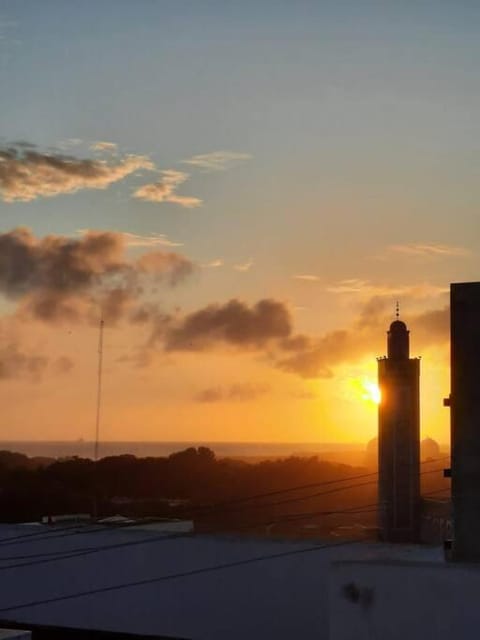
<point>158,448</point>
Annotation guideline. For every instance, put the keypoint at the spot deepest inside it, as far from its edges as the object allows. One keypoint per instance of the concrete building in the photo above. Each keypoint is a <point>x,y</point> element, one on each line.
<point>398,599</point>
<point>203,587</point>
<point>399,439</point>
<point>465,419</point>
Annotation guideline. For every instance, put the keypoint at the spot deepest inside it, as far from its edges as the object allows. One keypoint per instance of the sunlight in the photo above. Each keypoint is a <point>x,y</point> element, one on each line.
<point>366,389</point>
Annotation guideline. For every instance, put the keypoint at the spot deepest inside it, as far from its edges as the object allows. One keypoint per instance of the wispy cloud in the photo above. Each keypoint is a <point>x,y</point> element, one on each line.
<point>67,144</point>
<point>136,240</point>
<point>429,250</point>
<point>165,190</point>
<point>308,277</point>
<point>27,174</point>
<point>213,264</point>
<point>369,289</point>
<point>240,392</point>
<point>102,145</point>
<point>244,266</point>
<point>218,160</point>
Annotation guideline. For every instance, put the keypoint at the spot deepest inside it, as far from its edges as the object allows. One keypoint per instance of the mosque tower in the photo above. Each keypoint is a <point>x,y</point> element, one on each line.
<point>399,438</point>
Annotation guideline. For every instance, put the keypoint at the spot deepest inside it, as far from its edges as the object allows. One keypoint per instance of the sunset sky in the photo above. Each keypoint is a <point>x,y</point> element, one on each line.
<point>243,189</point>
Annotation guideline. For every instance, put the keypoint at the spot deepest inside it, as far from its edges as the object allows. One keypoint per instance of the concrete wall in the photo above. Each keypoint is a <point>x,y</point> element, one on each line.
<point>15,634</point>
<point>398,601</point>
<point>465,419</point>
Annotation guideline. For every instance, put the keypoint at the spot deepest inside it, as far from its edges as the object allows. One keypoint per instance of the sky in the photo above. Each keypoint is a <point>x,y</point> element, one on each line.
<point>242,190</point>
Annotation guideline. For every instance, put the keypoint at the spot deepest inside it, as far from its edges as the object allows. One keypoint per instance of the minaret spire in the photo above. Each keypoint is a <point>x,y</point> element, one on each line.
<point>399,438</point>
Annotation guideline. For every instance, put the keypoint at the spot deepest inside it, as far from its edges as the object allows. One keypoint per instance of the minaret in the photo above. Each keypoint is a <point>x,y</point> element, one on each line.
<point>399,438</point>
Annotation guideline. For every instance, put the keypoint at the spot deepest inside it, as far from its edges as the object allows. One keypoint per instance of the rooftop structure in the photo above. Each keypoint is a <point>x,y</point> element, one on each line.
<point>180,586</point>
<point>465,419</point>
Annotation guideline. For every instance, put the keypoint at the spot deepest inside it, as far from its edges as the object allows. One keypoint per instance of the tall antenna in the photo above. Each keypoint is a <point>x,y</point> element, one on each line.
<point>99,388</point>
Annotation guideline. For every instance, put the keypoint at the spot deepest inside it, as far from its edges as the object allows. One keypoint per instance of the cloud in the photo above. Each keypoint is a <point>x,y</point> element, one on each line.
<point>428,250</point>
<point>266,328</point>
<point>368,289</point>
<point>315,357</point>
<point>15,363</point>
<point>144,241</point>
<point>104,146</point>
<point>65,144</point>
<point>234,323</point>
<point>218,160</point>
<point>165,190</point>
<point>245,266</point>
<point>432,327</point>
<point>58,277</point>
<point>63,365</point>
<point>241,392</point>
<point>27,174</point>
<point>213,264</point>
<point>312,357</point>
<point>307,277</point>
<point>170,266</point>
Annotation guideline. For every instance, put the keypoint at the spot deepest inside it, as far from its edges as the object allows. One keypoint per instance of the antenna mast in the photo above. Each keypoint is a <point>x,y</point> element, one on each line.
<point>99,387</point>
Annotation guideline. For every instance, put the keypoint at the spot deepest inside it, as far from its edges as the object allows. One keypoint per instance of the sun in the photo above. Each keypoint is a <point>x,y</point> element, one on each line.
<point>366,389</point>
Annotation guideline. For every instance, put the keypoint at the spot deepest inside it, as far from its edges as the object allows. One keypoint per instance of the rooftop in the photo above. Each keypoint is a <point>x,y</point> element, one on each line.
<point>187,586</point>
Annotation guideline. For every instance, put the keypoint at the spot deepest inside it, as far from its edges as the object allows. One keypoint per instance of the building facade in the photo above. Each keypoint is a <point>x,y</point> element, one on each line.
<point>465,419</point>
<point>399,439</point>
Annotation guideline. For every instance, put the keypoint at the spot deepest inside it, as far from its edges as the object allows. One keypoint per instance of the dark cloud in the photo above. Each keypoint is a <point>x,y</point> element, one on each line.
<point>433,326</point>
<point>62,278</point>
<point>213,394</point>
<point>165,265</point>
<point>267,327</point>
<point>240,392</point>
<point>62,365</point>
<point>312,357</point>
<point>27,174</point>
<point>315,357</point>
<point>234,323</point>
<point>14,363</point>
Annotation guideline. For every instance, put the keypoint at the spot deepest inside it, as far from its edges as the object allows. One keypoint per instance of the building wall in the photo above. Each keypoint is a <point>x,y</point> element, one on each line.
<point>399,600</point>
<point>465,419</point>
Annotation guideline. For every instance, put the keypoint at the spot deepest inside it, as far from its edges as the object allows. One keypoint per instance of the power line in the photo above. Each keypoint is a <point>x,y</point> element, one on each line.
<point>317,494</point>
<point>179,575</point>
<point>67,555</point>
<point>48,557</point>
<point>86,529</point>
<point>38,535</point>
<point>312,485</point>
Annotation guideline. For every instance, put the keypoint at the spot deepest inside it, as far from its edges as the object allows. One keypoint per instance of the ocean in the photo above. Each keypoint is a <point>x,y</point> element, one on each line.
<point>85,449</point>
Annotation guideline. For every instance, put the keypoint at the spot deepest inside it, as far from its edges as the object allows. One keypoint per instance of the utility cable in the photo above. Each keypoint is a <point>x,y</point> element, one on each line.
<point>87,528</point>
<point>176,576</point>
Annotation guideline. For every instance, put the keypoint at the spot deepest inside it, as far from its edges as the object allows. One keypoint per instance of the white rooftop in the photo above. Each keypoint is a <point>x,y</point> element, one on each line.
<point>285,597</point>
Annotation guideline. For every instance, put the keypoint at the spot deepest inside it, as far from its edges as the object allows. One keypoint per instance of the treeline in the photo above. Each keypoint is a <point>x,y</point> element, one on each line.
<point>189,484</point>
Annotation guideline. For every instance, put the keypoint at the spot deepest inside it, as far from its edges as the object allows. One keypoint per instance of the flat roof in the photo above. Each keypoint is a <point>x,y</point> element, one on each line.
<point>281,597</point>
